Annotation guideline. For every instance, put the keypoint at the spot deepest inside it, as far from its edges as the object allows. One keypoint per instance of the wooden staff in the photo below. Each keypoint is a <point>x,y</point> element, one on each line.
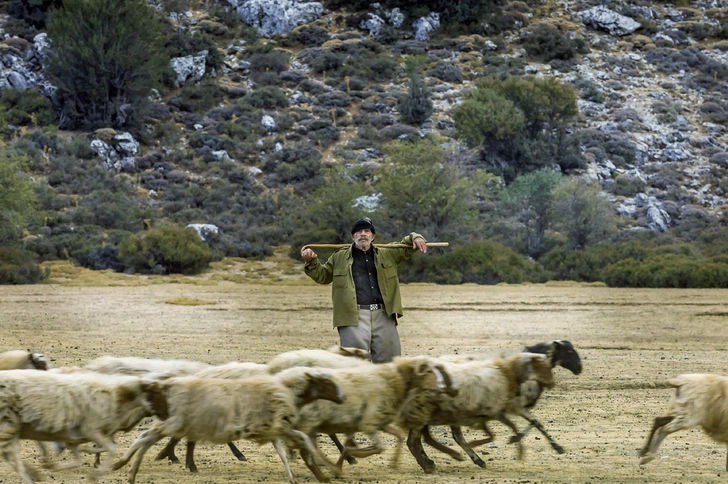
<point>386,246</point>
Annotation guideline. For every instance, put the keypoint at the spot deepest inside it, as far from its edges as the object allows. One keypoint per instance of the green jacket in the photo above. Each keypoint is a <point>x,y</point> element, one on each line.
<point>343,293</point>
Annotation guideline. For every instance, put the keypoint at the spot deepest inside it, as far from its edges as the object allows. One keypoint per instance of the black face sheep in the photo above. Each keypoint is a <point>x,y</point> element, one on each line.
<point>487,390</point>
<point>558,353</point>
<point>700,400</point>
<point>261,408</point>
<point>69,408</point>
<point>23,360</point>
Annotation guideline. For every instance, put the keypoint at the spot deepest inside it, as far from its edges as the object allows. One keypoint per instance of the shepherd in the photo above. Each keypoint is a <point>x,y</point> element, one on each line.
<point>365,289</point>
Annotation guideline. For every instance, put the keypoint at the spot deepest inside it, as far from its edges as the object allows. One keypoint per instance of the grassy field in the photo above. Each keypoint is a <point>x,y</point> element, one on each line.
<point>631,342</point>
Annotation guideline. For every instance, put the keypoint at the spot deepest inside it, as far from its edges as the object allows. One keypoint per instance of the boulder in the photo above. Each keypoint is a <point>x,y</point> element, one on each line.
<point>423,26</point>
<point>602,18</point>
<point>276,17</point>
<point>189,68</point>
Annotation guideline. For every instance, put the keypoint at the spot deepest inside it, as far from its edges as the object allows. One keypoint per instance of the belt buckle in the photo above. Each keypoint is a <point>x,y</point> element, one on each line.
<point>373,307</point>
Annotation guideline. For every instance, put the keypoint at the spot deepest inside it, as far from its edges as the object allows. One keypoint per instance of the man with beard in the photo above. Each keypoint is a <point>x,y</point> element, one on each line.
<point>365,289</point>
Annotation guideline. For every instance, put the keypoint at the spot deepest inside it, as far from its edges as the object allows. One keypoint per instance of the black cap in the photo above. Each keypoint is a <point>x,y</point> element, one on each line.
<point>363,223</point>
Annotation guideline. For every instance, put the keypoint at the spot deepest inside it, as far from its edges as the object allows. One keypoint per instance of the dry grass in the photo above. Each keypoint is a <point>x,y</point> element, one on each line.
<point>631,342</point>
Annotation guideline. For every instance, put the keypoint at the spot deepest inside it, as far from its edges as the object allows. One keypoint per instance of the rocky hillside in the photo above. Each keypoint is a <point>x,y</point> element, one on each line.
<point>294,89</point>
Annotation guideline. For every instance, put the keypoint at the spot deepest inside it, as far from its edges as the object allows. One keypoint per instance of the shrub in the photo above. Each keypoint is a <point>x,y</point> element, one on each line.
<point>668,270</point>
<point>266,97</point>
<point>481,262</point>
<point>416,106</point>
<point>310,35</point>
<point>198,97</point>
<point>23,108</point>
<point>550,43</point>
<point>19,266</point>
<point>265,67</point>
<point>107,56</point>
<point>167,250</point>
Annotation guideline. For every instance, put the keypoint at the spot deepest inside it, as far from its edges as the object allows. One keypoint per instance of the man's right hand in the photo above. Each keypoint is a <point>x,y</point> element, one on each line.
<point>308,255</point>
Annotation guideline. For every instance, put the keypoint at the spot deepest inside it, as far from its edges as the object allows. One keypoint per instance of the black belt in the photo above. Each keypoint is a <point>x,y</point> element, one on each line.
<point>371,307</point>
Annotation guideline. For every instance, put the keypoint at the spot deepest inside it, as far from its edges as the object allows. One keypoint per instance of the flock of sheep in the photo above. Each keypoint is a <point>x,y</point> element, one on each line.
<point>293,398</point>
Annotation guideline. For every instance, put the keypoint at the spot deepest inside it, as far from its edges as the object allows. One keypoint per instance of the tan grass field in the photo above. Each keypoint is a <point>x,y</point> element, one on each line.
<point>630,341</point>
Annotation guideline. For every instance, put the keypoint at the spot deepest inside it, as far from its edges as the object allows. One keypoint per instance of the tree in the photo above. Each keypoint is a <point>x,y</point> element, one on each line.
<point>17,199</point>
<point>520,124</point>
<point>416,106</point>
<point>422,190</point>
<point>105,57</point>
<point>583,213</point>
<point>529,198</point>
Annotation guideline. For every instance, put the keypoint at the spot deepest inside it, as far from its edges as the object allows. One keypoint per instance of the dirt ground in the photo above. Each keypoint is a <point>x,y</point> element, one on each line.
<point>630,341</point>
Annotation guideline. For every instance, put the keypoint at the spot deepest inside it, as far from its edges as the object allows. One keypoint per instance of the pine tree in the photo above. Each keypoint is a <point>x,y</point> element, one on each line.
<point>416,107</point>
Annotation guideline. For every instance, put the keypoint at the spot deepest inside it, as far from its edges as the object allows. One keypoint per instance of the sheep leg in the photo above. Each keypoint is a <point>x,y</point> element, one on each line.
<point>392,430</point>
<point>168,451</point>
<point>190,456</point>
<point>104,444</point>
<point>375,448</point>
<point>312,466</point>
<point>10,452</point>
<point>414,444</point>
<point>281,450</point>
<point>139,442</point>
<point>533,422</point>
<point>429,440</point>
<point>490,437</point>
<point>457,434</point>
<point>311,455</point>
<point>653,442</point>
<point>76,462</point>
<point>349,442</point>
<point>236,452</point>
<point>147,443</point>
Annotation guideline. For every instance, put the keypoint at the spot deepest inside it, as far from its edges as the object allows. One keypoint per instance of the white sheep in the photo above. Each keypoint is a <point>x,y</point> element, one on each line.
<point>23,360</point>
<point>226,371</point>
<point>699,400</point>
<point>334,357</point>
<point>374,395</point>
<point>262,408</point>
<point>487,390</point>
<point>69,408</point>
<point>558,353</point>
<point>132,365</point>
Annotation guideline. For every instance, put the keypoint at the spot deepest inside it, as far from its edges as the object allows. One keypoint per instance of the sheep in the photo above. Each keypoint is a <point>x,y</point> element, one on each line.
<point>487,390</point>
<point>559,353</point>
<point>374,395</point>
<point>23,360</point>
<point>334,357</point>
<point>262,408</point>
<point>699,400</point>
<point>226,371</point>
<point>69,408</point>
<point>132,365</point>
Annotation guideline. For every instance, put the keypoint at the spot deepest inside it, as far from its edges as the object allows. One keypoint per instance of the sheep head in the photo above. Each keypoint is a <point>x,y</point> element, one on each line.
<point>321,387</point>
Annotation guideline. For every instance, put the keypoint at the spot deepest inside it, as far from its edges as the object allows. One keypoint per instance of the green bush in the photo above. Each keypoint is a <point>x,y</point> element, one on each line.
<point>549,43</point>
<point>481,262</point>
<point>19,266</point>
<point>667,270</point>
<point>23,108</point>
<point>107,56</point>
<point>168,250</point>
<point>416,106</point>
<point>182,43</point>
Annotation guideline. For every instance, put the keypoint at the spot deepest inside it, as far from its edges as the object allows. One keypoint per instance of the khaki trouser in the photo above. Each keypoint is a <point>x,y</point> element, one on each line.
<point>376,333</point>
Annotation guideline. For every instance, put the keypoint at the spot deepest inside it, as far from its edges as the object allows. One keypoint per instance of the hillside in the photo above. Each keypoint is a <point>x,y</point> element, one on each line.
<point>282,128</point>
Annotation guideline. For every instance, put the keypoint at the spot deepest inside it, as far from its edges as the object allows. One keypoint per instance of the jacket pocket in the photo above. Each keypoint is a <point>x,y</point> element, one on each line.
<point>341,278</point>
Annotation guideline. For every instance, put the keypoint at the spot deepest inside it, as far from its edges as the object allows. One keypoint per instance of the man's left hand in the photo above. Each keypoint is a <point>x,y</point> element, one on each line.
<point>420,244</point>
